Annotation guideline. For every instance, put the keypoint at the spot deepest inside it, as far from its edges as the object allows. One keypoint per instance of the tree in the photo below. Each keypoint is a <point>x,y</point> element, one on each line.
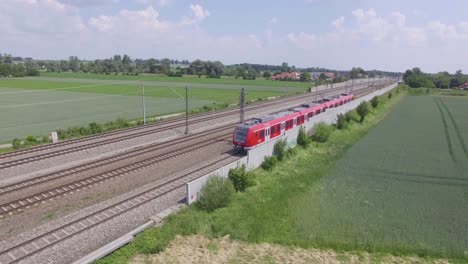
<point>305,77</point>
<point>362,110</point>
<point>64,65</point>
<point>266,74</point>
<point>375,101</point>
<point>357,73</point>
<point>240,178</point>
<point>74,63</point>
<point>302,138</point>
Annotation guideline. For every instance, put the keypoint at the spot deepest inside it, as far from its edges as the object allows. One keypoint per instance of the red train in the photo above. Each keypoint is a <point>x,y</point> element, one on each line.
<point>259,130</point>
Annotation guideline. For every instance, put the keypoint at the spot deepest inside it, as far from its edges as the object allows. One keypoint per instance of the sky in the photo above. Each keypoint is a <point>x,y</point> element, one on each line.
<point>391,35</point>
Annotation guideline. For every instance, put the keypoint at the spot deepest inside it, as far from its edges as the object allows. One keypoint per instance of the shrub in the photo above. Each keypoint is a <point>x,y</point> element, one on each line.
<point>362,110</point>
<point>341,121</point>
<point>217,193</point>
<point>279,149</point>
<point>350,116</point>
<point>95,128</point>
<point>322,132</point>
<point>31,140</point>
<point>240,179</point>
<point>375,101</point>
<point>268,163</point>
<point>45,139</point>
<point>302,138</point>
<point>16,143</point>
<point>390,95</point>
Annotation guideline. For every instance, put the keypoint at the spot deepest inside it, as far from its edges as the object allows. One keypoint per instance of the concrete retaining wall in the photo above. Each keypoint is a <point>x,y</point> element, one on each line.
<point>256,156</point>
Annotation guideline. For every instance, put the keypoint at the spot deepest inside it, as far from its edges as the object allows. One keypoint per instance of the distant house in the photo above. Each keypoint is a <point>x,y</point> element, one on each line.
<point>330,75</point>
<point>463,86</point>
<point>287,76</point>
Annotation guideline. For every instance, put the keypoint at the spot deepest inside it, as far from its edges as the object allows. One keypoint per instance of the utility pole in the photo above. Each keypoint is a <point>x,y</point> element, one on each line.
<point>316,89</point>
<point>352,85</point>
<point>186,111</point>
<point>242,104</point>
<point>143,102</point>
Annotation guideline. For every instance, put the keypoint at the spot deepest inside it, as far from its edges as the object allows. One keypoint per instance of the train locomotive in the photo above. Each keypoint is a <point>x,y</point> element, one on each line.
<point>256,131</point>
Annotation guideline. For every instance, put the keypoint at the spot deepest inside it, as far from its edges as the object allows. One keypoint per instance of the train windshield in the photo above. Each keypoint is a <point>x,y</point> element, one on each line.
<point>241,134</point>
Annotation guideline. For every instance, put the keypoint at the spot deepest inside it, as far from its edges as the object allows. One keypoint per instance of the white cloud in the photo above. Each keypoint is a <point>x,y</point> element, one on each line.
<point>338,23</point>
<point>398,18</point>
<point>199,13</point>
<point>128,22</point>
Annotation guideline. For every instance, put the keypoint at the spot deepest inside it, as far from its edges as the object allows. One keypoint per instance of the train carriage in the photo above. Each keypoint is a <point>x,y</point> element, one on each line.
<point>256,131</point>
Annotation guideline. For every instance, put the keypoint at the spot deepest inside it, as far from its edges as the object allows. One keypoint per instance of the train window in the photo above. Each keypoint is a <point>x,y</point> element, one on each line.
<point>278,127</point>
<point>272,130</point>
<point>262,134</point>
<point>311,114</point>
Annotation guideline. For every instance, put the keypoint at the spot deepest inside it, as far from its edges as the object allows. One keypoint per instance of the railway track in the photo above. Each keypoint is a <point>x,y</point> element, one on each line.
<point>64,189</point>
<point>21,251</point>
<point>201,141</point>
<point>69,146</point>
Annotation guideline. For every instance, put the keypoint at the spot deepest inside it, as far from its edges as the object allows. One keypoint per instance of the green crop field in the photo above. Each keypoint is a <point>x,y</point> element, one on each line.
<point>39,106</point>
<point>403,187</point>
<point>186,79</point>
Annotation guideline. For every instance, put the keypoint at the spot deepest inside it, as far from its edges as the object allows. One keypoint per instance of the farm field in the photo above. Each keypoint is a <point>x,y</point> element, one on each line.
<point>402,188</point>
<point>37,107</point>
<point>186,79</point>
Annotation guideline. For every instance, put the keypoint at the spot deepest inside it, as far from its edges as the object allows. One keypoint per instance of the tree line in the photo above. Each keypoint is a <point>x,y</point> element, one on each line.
<point>17,67</point>
<point>415,78</point>
<point>124,64</point>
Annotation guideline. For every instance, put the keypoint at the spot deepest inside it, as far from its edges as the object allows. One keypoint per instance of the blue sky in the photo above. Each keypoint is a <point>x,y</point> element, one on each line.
<point>340,34</point>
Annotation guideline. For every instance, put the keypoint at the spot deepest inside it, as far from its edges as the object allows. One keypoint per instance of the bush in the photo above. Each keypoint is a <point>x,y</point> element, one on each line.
<point>350,116</point>
<point>341,121</point>
<point>375,102</point>
<point>217,193</point>
<point>45,139</point>
<point>31,140</point>
<point>95,128</point>
<point>302,138</point>
<point>279,150</point>
<point>268,163</point>
<point>362,110</point>
<point>240,179</point>
<point>322,132</point>
<point>390,95</point>
<point>16,143</point>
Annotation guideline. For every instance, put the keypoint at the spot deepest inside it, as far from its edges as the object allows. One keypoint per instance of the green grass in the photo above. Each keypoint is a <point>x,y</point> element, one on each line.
<point>212,94</point>
<point>5,150</point>
<point>267,212</point>
<point>185,79</point>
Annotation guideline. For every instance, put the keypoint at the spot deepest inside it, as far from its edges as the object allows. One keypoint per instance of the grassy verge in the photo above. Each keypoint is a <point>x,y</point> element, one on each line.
<point>262,213</point>
<point>6,150</point>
